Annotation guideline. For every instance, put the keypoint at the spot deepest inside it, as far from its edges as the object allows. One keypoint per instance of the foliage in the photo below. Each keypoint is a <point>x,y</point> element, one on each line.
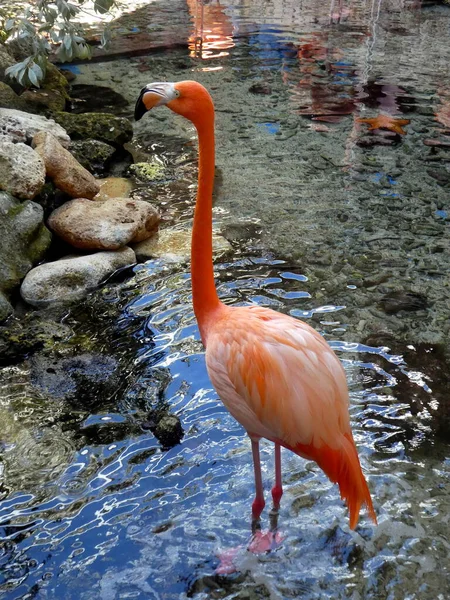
<point>41,24</point>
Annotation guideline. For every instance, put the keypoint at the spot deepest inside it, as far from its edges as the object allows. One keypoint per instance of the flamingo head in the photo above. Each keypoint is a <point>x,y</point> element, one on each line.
<point>187,98</point>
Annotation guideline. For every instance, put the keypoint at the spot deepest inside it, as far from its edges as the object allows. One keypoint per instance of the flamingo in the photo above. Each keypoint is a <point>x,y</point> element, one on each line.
<point>275,374</point>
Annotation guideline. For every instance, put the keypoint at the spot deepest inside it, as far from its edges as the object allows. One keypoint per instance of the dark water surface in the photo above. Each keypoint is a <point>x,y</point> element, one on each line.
<point>343,227</point>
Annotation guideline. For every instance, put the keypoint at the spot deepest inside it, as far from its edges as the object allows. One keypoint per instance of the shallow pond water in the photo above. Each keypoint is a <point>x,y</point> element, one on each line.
<point>329,222</point>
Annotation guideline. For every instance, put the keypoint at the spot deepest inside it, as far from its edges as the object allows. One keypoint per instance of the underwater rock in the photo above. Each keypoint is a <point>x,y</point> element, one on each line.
<point>22,126</point>
<point>82,378</point>
<point>169,431</point>
<point>24,240</point>
<point>22,171</point>
<point>402,300</point>
<point>174,245</point>
<point>93,155</point>
<point>260,88</point>
<point>65,171</point>
<point>70,279</point>
<point>95,98</point>
<point>104,225</point>
<point>114,187</point>
<point>99,126</point>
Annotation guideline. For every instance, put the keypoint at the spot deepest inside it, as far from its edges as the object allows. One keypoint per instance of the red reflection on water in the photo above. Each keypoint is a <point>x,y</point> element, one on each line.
<point>213,30</point>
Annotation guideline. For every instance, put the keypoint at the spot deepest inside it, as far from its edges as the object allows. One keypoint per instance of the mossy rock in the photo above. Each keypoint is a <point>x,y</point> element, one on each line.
<point>44,100</point>
<point>148,171</point>
<point>94,155</point>
<point>9,99</point>
<point>99,126</point>
<point>55,81</point>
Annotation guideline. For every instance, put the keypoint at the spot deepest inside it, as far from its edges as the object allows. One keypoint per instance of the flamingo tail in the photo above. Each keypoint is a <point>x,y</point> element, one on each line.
<point>342,466</point>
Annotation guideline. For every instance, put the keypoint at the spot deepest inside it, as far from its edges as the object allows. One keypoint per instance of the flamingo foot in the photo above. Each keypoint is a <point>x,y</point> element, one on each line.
<point>265,541</point>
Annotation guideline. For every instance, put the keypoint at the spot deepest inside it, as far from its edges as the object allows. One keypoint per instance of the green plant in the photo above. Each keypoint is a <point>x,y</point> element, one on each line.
<point>45,23</point>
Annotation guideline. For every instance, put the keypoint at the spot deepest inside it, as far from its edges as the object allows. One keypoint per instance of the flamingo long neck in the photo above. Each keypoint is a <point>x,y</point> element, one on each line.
<point>204,293</point>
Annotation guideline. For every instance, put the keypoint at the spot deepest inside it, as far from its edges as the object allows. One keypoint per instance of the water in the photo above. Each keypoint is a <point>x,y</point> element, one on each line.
<point>329,223</point>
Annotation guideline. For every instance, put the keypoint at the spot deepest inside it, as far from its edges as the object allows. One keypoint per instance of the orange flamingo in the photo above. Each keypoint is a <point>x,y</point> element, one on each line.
<point>276,375</point>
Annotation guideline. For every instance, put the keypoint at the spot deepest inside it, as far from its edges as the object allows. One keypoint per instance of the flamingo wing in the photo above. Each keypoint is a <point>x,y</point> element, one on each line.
<point>279,378</point>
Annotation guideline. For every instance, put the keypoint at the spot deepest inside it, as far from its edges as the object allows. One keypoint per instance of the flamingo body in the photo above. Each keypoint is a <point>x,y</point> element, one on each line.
<point>276,375</point>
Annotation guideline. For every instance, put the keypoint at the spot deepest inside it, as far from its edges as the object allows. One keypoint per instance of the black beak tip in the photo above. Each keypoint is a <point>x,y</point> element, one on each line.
<point>139,109</point>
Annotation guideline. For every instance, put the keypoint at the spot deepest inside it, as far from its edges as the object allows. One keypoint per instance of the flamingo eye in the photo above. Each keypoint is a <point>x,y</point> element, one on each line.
<point>177,93</point>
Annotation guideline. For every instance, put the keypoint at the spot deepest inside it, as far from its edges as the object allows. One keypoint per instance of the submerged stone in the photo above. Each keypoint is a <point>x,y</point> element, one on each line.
<point>169,431</point>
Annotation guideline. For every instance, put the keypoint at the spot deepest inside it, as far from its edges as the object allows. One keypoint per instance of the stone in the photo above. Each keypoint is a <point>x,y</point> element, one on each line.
<point>9,98</point>
<point>63,169</point>
<point>22,171</point>
<point>24,239</point>
<point>70,279</point>
<point>6,309</point>
<point>93,155</point>
<point>114,187</point>
<point>174,245</point>
<point>148,171</point>
<point>169,431</point>
<point>99,126</point>
<point>6,60</point>
<point>55,81</point>
<point>22,127</point>
<point>398,300</point>
<point>104,225</point>
<point>43,100</point>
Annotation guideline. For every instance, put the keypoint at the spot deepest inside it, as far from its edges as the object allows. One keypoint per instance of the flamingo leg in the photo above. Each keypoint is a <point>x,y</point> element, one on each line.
<point>258,502</point>
<point>277,490</point>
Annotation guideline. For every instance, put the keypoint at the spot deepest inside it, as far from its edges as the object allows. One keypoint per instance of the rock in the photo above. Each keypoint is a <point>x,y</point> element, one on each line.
<point>402,300</point>
<point>24,240</point>
<point>114,187</point>
<point>260,88</point>
<point>148,171</point>
<point>105,225</point>
<point>174,245</point>
<point>70,279</point>
<point>99,126</point>
<point>93,155</point>
<point>6,60</point>
<point>22,171</point>
<point>9,98</point>
<point>6,308</point>
<point>64,170</point>
<point>169,431</point>
<point>96,98</point>
<point>22,127</point>
<point>43,100</point>
<point>55,81</point>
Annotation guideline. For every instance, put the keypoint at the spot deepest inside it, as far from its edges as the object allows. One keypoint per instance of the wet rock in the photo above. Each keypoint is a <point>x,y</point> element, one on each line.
<point>174,245</point>
<point>169,431</point>
<point>70,279</point>
<point>114,187</point>
<point>55,81</point>
<point>343,548</point>
<point>106,225</point>
<point>20,338</point>
<point>23,241</point>
<point>22,127</point>
<point>22,171</point>
<point>148,171</point>
<point>43,100</point>
<point>396,301</point>
<point>81,379</point>
<point>442,176</point>
<point>95,98</point>
<point>65,171</point>
<point>9,98</point>
<point>93,155</point>
<point>99,126</point>
<point>260,88</point>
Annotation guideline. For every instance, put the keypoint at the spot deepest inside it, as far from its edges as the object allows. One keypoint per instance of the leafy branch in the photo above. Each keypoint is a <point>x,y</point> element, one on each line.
<point>42,24</point>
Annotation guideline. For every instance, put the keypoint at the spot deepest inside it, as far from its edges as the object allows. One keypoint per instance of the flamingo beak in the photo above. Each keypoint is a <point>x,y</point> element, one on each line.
<point>154,94</point>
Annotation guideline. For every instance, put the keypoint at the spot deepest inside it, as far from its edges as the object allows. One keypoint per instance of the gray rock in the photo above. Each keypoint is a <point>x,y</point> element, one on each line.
<point>104,225</point>
<point>22,127</point>
<point>65,171</point>
<point>22,170</point>
<point>70,279</point>
<point>5,307</point>
<point>24,239</point>
<point>6,60</point>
